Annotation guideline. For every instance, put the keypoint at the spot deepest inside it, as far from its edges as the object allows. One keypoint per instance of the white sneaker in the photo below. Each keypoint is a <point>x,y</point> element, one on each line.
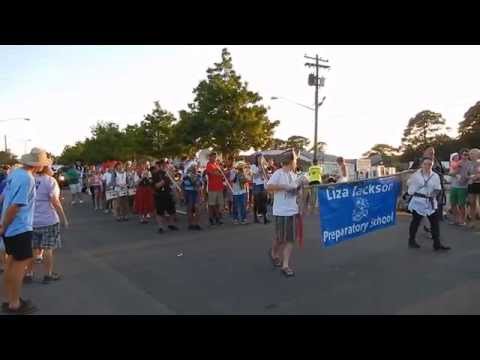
<point>81,201</point>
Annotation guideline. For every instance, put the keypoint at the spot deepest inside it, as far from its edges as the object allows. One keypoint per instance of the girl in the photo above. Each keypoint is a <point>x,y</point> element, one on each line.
<point>95,184</point>
<point>120,184</point>
<point>239,182</point>
<point>284,184</point>
<point>46,223</point>
<point>342,170</point>
<point>143,203</point>
<point>424,187</point>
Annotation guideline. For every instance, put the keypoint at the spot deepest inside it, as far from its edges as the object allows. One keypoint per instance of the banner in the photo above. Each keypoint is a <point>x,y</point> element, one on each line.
<point>353,209</point>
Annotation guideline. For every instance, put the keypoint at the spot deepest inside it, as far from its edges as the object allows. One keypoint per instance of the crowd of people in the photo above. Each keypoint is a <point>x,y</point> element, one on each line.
<point>31,210</point>
<point>427,193</point>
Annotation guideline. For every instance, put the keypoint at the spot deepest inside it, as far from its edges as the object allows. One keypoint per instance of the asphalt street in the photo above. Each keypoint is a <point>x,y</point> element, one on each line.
<point>127,268</point>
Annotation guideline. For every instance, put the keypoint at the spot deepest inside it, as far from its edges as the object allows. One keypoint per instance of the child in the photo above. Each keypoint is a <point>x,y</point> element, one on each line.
<point>239,185</point>
<point>192,187</point>
<point>120,184</point>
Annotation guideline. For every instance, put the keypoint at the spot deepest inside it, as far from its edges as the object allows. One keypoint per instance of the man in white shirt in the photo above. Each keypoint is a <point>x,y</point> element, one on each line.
<point>424,187</point>
<point>285,185</point>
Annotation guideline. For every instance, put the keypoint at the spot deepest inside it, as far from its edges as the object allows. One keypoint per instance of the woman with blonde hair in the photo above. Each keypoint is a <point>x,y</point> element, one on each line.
<point>46,223</point>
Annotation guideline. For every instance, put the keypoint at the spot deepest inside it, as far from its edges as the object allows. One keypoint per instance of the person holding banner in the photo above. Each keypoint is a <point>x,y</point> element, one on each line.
<point>342,176</point>
<point>423,187</point>
<point>284,184</point>
<point>120,185</point>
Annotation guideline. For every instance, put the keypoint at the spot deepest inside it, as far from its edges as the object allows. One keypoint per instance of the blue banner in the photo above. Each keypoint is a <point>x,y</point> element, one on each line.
<point>349,210</point>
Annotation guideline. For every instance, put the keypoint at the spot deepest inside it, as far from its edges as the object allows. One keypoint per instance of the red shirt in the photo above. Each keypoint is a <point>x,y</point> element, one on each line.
<point>215,182</point>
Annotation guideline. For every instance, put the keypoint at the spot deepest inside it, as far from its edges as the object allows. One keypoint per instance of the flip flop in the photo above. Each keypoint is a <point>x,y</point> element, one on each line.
<point>288,272</point>
<point>275,261</point>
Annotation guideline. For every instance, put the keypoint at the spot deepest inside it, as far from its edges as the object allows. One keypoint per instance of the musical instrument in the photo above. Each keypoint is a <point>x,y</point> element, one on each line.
<point>226,180</point>
<point>173,180</point>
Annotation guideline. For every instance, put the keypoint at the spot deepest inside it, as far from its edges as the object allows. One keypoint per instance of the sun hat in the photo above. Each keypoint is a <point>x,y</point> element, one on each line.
<point>36,157</point>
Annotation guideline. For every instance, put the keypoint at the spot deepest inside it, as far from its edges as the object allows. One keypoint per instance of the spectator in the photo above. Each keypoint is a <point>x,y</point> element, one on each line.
<point>17,228</point>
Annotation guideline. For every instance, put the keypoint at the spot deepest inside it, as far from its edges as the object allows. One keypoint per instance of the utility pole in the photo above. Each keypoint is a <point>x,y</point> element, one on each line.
<point>314,80</point>
<point>5,137</point>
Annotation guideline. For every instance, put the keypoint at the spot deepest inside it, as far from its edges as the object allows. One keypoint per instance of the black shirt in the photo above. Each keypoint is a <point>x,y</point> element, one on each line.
<point>159,176</point>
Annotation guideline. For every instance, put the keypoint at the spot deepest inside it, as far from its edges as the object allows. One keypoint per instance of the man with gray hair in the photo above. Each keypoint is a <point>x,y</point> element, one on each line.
<point>16,227</point>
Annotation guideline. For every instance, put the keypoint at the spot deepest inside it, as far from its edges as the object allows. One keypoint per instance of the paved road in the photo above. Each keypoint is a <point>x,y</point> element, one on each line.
<point>126,268</point>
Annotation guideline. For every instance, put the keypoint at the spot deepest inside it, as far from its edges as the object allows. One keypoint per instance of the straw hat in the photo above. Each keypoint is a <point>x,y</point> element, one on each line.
<point>37,158</point>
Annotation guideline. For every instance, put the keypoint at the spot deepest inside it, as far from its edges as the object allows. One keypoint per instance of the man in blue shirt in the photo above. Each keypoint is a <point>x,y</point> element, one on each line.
<point>16,227</point>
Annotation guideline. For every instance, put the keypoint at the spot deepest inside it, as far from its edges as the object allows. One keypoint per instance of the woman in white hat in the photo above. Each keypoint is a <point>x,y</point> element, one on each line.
<point>16,226</point>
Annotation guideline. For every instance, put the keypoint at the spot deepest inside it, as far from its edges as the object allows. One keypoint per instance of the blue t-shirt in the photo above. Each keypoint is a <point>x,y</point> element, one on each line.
<point>189,185</point>
<point>20,190</point>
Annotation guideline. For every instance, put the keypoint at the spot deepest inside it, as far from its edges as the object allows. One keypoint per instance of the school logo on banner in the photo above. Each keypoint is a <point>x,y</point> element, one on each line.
<point>352,209</point>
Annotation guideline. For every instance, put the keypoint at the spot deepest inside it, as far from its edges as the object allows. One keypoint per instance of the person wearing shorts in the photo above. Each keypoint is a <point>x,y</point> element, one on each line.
<point>46,223</point>
<point>16,226</point>
<point>74,183</point>
<point>284,184</point>
<point>164,202</point>
<point>215,190</point>
<point>458,193</point>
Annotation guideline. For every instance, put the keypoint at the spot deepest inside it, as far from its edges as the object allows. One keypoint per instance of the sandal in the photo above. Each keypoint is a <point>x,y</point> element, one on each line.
<point>288,272</point>
<point>26,308</point>
<point>48,278</point>
<point>275,261</point>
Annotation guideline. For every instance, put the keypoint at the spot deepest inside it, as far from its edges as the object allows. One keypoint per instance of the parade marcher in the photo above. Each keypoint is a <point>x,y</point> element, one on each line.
<point>284,184</point>
<point>239,186</point>
<point>259,177</point>
<point>164,201</point>
<point>423,187</point>
<point>227,193</point>
<point>16,227</point>
<point>107,185</point>
<point>120,184</point>
<point>131,184</point>
<point>342,176</point>
<point>458,193</point>
<point>215,189</point>
<point>46,223</point>
<point>440,171</point>
<point>192,187</point>
<point>474,187</point>
<point>95,186</point>
<point>73,176</point>
<point>143,203</point>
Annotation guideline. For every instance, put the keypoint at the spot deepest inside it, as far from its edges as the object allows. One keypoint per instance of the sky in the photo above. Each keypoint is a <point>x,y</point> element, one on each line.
<point>371,91</point>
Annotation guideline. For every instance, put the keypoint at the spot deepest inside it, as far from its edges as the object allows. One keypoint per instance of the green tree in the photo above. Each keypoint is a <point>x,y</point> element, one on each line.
<point>469,128</point>
<point>225,114</point>
<point>421,132</point>
<point>321,147</point>
<point>382,149</point>
<point>7,158</point>
<point>155,133</point>
<point>299,143</point>
<point>277,144</point>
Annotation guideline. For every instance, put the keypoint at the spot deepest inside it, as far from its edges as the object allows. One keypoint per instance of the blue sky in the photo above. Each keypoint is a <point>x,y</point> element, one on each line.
<point>371,91</point>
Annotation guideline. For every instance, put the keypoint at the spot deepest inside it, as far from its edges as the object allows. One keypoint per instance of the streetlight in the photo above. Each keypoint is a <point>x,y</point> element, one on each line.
<point>18,118</point>
<point>291,101</point>
<point>309,108</point>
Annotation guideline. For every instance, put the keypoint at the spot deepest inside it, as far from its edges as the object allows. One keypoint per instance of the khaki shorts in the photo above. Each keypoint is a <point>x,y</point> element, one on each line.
<point>215,198</point>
